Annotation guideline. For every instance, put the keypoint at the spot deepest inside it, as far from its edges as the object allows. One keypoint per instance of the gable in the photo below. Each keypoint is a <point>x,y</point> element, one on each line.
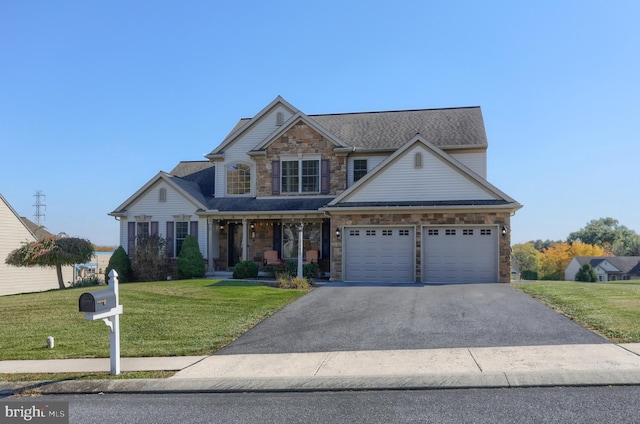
<point>439,178</point>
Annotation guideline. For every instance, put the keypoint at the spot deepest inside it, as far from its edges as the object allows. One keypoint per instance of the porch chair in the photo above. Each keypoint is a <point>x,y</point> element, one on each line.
<point>271,258</point>
<point>312,257</point>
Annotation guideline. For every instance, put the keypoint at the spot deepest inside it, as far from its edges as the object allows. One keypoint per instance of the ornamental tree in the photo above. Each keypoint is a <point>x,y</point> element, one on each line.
<point>52,251</point>
<point>190,259</point>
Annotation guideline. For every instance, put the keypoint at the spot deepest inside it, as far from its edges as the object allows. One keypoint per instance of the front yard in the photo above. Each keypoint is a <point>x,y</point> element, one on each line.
<point>170,318</point>
<point>611,309</point>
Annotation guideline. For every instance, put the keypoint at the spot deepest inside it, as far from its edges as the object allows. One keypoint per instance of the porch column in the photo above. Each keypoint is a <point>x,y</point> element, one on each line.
<point>300,247</point>
<point>210,229</point>
<point>245,242</point>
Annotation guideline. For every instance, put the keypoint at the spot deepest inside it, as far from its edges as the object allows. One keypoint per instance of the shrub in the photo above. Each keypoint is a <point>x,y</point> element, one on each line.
<point>120,262</point>
<point>529,275</point>
<point>287,282</point>
<point>90,281</point>
<point>245,269</point>
<point>148,259</point>
<point>190,259</point>
<point>311,270</point>
<point>587,274</point>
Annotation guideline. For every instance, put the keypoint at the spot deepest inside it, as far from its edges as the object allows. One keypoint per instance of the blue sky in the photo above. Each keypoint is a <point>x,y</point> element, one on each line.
<point>96,97</point>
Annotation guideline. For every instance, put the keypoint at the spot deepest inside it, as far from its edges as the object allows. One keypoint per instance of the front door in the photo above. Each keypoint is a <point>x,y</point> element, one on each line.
<point>235,244</point>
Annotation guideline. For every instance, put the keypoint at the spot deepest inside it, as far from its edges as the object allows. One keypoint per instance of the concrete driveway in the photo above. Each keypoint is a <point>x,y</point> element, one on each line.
<point>351,317</point>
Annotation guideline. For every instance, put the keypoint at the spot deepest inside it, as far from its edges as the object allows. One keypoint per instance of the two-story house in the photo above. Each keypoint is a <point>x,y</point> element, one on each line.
<point>397,196</point>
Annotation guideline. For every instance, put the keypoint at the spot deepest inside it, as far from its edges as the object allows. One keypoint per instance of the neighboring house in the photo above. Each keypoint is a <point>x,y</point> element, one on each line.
<point>14,232</point>
<point>608,268</point>
<point>97,266</point>
<point>398,196</point>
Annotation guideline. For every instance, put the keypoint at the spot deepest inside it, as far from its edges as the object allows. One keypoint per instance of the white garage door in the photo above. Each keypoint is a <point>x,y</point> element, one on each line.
<point>381,254</point>
<point>460,254</point>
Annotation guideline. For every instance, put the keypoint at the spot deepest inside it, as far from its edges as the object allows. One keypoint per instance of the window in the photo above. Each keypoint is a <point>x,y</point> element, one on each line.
<point>403,232</point>
<point>162,195</point>
<point>300,176</point>
<point>354,232</point>
<point>485,232</point>
<point>311,239</point>
<point>449,232</point>
<point>279,118</point>
<point>142,229</point>
<point>371,232</point>
<point>467,232</point>
<point>359,169</point>
<point>182,229</point>
<point>238,179</point>
<point>433,232</point>
<point>387,232</point>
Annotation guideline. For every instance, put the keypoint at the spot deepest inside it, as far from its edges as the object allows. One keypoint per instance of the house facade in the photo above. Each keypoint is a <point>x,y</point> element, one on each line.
<point>397,196</point>
<point>16,231</point>
<point>607,268</point>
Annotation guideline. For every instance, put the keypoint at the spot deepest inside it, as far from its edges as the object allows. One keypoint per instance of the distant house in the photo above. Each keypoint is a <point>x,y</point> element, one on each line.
<point>608,268</point>
<point>14,231</point>
<point>97,265</point>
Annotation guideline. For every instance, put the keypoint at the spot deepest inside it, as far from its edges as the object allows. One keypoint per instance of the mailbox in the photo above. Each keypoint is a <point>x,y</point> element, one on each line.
<point>97,301</point>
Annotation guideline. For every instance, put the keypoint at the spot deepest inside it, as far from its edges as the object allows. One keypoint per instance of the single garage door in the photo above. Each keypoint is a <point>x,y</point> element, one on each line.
<point>384,254</point>
<point>460,254</point>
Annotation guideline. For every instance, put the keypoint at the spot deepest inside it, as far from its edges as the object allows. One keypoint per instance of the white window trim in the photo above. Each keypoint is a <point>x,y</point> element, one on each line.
<point>251,178</point>
<point>300,159</point>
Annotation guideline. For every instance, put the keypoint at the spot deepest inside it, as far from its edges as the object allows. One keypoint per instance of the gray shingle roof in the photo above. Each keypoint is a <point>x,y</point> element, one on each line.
<point>625,264</point>
<point>446,128</point>
<point>452,127</point>
<point>249,204</point>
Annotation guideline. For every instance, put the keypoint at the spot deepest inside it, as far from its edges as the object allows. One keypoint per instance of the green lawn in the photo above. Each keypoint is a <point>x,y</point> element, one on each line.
<point>171,318</point>
<point>611,309</point>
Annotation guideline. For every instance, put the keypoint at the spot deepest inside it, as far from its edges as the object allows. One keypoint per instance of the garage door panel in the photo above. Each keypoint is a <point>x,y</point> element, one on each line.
<point>379,254</point>
<point>460,255</point>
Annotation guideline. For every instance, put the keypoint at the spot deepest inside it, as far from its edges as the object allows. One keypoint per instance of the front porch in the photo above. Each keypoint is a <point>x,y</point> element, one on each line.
<point>232,240</point>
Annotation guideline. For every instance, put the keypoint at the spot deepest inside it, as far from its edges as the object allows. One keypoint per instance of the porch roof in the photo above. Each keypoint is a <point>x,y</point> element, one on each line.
<point>252,205</point>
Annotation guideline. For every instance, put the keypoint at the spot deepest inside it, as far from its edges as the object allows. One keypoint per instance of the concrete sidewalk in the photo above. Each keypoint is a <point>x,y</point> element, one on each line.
<point>521,366</point>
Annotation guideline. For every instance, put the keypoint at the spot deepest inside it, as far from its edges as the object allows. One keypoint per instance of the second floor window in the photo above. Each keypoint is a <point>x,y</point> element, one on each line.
<point>300,176</point>
<point>359,169</point>
<point>238,179</point>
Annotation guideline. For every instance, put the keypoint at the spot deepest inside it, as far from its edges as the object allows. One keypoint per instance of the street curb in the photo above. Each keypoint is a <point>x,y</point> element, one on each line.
<point>351,383</point>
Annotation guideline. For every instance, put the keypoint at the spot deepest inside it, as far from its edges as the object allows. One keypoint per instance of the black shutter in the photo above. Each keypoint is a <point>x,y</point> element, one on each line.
<point>170,239</point>
<point>326,239</point>
<point>131,236</point>
<point>194,229</point>
<point>324,176</point>
<point>275,177</point>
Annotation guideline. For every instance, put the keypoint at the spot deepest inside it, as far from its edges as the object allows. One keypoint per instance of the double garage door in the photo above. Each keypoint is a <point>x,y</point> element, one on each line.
<point>449,254</point>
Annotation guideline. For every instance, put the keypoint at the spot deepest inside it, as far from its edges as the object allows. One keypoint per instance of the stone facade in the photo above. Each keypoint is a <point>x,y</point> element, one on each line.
<point>301,139</point>
<point>418,220</point>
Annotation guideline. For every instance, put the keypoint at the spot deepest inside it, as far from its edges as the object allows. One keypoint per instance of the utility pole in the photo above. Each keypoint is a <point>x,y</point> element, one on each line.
<point>40,208</point>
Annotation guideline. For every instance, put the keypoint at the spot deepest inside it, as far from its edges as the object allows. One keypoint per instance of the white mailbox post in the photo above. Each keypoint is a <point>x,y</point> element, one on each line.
<point>105,305</point>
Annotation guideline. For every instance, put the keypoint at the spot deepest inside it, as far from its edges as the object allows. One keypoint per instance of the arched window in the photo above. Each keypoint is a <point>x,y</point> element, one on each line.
<point>238,179</point>
<point>279,118</point>
<point>163,195</point>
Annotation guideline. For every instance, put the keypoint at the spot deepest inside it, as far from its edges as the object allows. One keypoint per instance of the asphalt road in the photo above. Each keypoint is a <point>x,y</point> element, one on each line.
<point>343,317</point>
<point>534,405</point>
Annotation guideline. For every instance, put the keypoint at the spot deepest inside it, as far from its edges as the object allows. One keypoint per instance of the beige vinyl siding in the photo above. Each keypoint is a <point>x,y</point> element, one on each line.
<point>436,180</point>
<point>176,204</point>
<point>15,280</point>
<point>476,161</point>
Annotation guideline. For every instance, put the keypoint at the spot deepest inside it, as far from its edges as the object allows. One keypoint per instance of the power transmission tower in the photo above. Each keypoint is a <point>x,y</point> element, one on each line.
<point>40,208</point>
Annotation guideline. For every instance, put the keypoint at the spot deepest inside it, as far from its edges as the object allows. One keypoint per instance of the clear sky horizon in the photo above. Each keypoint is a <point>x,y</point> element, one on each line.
<point>97,97</point>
